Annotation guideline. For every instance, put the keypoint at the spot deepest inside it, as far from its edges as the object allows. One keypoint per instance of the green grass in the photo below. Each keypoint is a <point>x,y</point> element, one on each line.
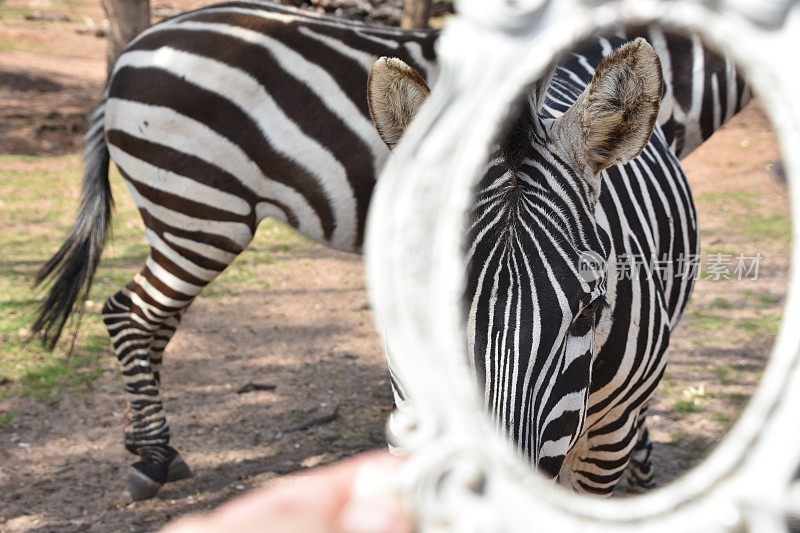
<point>725,373</point>
<point>706,321</point>
<point>767,323</point>
<point>38,200</point>
<point>686,406</point>
<point>721,303</point>
<point>8,418</point>
<point>677,438</point>
<point>668,384</point>
<point>764,299</point>
<point>13,13</point>
<point>17,13</point>
<point>722,419</point>
<point>742,209</point>
<point>738,400</point>
<point>772,227</point>
<point>764,325</point>
<point>745,199</point>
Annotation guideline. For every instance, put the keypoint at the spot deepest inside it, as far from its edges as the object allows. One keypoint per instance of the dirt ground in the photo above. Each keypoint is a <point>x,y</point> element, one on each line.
<point>310,332</point>
<point>311,335</point>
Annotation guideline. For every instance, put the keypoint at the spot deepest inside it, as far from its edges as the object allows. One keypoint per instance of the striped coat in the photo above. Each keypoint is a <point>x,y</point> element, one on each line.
<point>224,116</point>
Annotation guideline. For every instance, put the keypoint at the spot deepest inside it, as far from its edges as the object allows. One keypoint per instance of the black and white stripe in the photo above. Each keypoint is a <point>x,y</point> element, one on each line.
<point>227,115</point>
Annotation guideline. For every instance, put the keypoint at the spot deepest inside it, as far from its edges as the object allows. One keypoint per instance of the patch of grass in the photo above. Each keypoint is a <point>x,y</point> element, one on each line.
<point>13,13</point>
<point>6,419</point>
<point>744,199</point>
<point>764,325</point>
<point>721,303</point>
<point>76,374</point>
<point>769,299</point>
<point>686,406</point>
<point>725,373</point>
<point>34,223</point>
<point>738,399</point>
<point>722,419</point>
<point>764,299</point>
<point>7,46</point>
<point>708,321</point>
<point>772,227</point>
<point>668,384</point>
<point>677,438</point>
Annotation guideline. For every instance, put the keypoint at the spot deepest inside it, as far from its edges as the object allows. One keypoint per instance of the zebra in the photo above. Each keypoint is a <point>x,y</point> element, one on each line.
<point>223,116</point>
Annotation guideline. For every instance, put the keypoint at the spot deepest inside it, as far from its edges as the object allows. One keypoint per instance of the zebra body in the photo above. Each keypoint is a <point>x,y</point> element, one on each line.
<point>224,116</point>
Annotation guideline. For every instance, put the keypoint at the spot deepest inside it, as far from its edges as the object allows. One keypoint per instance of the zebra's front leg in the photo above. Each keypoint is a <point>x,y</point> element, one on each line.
<point>139,338</point>
<point>639,472</point>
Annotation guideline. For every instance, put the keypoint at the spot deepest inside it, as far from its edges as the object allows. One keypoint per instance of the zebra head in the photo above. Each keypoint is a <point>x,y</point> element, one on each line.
<point>538,244</point>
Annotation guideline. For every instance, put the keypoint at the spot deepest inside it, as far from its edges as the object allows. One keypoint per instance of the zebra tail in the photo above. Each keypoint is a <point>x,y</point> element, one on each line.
<point>70,271</point>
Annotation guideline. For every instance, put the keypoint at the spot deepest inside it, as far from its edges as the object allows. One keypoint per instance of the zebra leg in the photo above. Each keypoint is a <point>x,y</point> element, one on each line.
<point>178,469</point>
<point>140,320</point>
<point>639,472</point>
<point>160,340</point>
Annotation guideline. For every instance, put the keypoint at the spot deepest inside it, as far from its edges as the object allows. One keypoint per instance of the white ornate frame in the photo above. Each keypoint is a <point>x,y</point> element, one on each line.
<point>462,476</point>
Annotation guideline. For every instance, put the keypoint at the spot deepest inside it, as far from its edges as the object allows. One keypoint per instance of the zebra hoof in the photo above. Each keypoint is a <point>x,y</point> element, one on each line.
<point>140,486</point>
<point>178,469</point>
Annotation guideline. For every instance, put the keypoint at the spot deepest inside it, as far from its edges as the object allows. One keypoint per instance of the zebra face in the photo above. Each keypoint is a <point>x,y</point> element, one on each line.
<point>536,248</point>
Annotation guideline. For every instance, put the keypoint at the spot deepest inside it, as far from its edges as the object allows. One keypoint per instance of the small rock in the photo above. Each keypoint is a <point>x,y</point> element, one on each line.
<point>238,486</point>
<point>24,445</point>
<point>314,460</point>
<point>250,386</point>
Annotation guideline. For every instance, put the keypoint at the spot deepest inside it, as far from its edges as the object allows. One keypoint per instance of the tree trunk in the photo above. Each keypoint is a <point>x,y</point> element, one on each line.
<point>416,14</point>
<point>126,19</point>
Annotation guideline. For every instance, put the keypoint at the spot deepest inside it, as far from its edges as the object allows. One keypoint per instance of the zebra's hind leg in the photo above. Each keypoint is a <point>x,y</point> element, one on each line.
<point>141,319</point>
<point>178,469</point>
<point>639,472</point>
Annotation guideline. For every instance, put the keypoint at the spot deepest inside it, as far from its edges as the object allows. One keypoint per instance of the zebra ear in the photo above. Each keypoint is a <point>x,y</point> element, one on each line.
<point>619,108</point>
<point>395,92</point>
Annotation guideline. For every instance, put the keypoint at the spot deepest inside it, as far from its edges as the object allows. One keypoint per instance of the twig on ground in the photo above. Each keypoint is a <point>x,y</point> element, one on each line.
<point>250,386</point>
<point>315,421</point>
